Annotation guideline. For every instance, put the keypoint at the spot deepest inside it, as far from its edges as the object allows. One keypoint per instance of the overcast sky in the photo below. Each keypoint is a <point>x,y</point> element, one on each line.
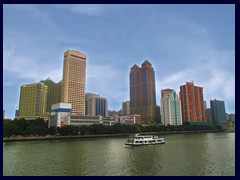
<point>183,43</point>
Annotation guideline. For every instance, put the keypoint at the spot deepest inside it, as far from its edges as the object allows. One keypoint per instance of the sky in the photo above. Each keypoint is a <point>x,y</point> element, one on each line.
<point>182,42</point>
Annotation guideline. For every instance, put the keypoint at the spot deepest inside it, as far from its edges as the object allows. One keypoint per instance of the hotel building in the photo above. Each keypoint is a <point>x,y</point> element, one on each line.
<point>73,84</point>
<point>142,92</point>
<point>33,100</point>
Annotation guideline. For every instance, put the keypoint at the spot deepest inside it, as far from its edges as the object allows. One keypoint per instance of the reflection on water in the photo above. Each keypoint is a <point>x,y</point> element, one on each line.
<point>182,154</point>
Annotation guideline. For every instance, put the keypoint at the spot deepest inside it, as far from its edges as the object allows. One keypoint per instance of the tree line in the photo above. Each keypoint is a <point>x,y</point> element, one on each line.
<point>39,127</point>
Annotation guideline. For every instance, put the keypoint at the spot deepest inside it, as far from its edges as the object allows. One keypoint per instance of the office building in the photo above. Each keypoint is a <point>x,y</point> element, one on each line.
<point>192,104</point>
<point>96,105</point>
<point>143,93</point>
<point>171,108</point>
<point>218,111</point>
<point>53,94</point>
<point>73,83</point>
<point>33,100</point>
<point>208,115</point>
<point>126,108</point>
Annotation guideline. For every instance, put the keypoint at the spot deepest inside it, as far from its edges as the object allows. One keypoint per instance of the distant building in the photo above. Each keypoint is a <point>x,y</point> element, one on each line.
<point>205,105</point>
<point>16,113</point>
<point>126,108</point>
<point>74,81</point>
<point>84,120</point>
<point>33,100</point>
<point>218,111</point>
<point>192,104</point>
<point>143,92</point>
<point>53,93</point>
<point>171,108</point>
<point>96,105</point>
<point>232,117</point>
<point>209,115</point>
<point>3,114</point>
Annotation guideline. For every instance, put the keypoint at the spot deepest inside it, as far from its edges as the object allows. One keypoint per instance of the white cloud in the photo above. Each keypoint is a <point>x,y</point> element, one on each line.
<point>27,67</point>
<point>88,9</point>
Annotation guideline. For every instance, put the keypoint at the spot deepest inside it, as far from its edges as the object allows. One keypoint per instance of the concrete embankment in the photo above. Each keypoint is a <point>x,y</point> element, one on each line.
<point>38,138</point>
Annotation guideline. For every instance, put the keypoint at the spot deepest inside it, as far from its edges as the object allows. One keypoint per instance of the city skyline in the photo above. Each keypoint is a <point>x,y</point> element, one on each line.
<point>183,43</point>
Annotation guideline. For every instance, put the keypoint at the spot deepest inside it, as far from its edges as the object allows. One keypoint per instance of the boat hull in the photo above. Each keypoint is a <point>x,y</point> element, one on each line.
<point>130,144</point>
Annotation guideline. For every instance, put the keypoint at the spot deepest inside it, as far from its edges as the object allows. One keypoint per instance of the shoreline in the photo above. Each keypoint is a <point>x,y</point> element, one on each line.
<point>14,139</point>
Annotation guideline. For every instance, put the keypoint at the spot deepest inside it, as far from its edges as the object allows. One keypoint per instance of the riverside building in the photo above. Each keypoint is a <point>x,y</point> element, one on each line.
<point>170,108</point>
<point>218,111</point>
<point>33,101</point>
<point>143,93</point>
<point>192,104</point>
<point>74,81</point>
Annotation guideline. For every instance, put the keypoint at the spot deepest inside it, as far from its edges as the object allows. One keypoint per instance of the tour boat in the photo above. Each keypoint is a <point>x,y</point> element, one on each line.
<point>139,140</point>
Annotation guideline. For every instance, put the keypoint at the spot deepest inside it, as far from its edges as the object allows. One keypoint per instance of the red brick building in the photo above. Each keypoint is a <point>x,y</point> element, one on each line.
<point>192,103</point>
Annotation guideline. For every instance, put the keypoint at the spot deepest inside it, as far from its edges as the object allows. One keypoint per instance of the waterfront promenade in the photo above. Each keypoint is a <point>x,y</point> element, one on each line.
<point>38,138</point>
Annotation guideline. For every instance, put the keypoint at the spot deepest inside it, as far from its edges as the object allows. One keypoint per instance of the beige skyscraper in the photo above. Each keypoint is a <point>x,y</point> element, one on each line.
<point>74,78</point>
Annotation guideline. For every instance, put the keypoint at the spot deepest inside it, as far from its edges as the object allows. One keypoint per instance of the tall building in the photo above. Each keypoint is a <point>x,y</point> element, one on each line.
<point>218,111</point>
<point>33,99</point>
<point>171,108</point>
<point>96,105</point>
<point>53,94</point>
<point>142,92</point>
<point>192,104</point>
<point>3,114</point>
<point>73,84</point>
<point>126,108</point>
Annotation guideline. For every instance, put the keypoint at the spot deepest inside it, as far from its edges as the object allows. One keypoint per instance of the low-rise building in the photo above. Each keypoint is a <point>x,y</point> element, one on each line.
<point>60,115</point>
<point>130,119</point>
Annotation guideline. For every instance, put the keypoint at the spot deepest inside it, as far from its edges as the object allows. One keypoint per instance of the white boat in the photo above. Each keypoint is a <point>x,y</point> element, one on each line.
<point>139,140</point>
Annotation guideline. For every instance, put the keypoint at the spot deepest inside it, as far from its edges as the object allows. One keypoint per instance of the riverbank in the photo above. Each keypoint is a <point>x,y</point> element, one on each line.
<point>38,138</point>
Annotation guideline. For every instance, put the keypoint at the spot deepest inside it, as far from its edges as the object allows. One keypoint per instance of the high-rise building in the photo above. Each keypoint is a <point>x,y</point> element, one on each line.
<point>3,114</point>
<point>53,94</point>
<point>142,92</point>
<point>171,108</point>
<point>96,105</point>
<point>33,99</point>
<point>73,84</point>
<point>218,111</point>
<point>192,104</point>
<point>126,108</point>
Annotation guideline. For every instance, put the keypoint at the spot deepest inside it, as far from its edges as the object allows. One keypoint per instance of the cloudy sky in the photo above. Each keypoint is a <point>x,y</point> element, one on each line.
<point>183,43</point>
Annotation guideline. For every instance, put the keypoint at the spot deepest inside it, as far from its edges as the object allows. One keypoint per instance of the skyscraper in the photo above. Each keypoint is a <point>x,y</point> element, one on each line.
<point>74,77</point>
<point>218,111</point>
<point>96,105</point>
<point>142,92</point>
<point>126,108</point>
<point>192,104</point>
<point>33,99</point>
<point>171,108</point>
<point>53,94</point>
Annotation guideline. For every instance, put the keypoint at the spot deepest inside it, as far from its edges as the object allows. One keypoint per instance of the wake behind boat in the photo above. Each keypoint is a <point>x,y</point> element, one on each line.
<point>139,140</point>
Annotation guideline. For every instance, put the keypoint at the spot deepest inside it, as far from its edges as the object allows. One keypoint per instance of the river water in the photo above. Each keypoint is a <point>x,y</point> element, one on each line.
<point>195,154</point>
